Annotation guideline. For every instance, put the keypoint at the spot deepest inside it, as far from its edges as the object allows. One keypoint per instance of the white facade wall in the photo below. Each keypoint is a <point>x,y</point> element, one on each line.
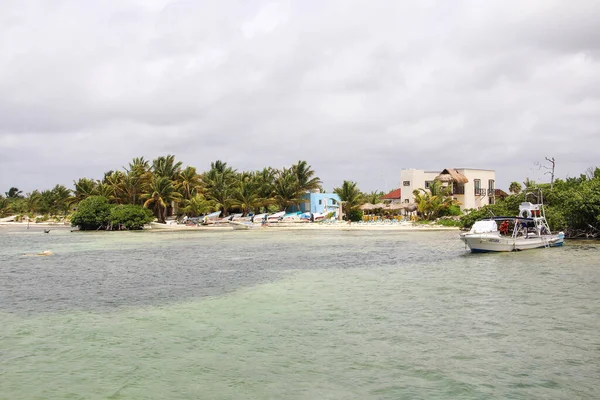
<point>480,199</point>
<point>416,179</point>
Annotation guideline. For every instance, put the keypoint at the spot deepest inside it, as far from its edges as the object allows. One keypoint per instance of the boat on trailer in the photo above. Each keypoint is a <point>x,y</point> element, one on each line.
<point>527,231</point>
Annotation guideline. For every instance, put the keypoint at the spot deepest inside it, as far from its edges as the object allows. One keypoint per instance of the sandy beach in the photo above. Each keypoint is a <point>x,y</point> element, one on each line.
<point>279,226</point>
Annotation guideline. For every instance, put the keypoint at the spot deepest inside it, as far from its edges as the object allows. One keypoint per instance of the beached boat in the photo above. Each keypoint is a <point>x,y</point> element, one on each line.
<point>529,230</point>
<point>241,226</point>
<point>210,218</point>
<point>276,217</point>
<point>172,225</point>
<point>258,218</point>
<point>291,217</point>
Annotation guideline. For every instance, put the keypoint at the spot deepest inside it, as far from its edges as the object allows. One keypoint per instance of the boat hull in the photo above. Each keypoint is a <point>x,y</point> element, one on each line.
<point>241,226</point>
<point>172,227</point>
<point>485,243</point>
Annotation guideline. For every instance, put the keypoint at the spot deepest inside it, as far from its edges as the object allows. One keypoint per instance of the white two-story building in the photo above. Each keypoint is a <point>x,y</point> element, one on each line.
<point>473,188</point>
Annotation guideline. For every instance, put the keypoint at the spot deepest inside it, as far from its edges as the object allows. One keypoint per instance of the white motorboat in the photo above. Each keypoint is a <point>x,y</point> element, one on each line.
<point>171,225</point>
<point>276,217</point>
<point>241,226</point>
<point>529,230</point>
<point>210,218</point>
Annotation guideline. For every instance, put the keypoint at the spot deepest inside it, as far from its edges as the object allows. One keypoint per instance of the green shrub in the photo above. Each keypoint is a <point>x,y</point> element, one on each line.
<point>453,210</point>
<point>92,213</point>
<point>354,215</point>
<point>448,222</point>
<point>132,217</point>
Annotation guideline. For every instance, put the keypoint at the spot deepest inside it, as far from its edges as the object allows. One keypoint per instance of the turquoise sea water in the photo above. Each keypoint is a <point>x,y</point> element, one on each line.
<point>294,315</point>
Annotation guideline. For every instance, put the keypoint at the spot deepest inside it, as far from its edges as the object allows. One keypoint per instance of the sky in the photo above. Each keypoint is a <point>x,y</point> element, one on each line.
<point>360,89</point>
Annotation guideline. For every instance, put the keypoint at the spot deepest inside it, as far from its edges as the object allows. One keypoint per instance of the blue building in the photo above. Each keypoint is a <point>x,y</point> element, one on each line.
<point>319,203</point>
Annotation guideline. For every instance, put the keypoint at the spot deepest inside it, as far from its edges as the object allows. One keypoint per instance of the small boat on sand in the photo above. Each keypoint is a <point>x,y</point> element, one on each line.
<point>242,226</point>
<point>275,217</point>
<point>210,218</point>
<point>170,225</point>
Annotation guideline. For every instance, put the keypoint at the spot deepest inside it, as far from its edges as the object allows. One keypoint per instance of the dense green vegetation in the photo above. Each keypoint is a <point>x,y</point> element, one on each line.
<point>166,188</point>
<point>572,205</point>
<point>130,216</point>
<point>163,187</point>
<point>435,202</point>
<point>92,213</point>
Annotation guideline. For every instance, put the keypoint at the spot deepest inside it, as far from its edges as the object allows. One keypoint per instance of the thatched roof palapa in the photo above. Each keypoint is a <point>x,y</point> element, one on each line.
<point>395,206</point>
<point>451,175</point>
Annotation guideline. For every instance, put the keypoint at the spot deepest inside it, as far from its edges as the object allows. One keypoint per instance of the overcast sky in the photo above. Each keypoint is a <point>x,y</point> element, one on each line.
<point>358,88</point>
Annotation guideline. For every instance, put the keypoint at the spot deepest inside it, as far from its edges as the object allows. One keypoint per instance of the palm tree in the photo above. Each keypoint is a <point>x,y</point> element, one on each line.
<point>14,193</point>
<point>219,182</point>
<point>188,182</point>
<point>286,191</point>
<point>373,197</point>
<point>116,180</point>
<point>136,179</point>
<point>245,192</point>
<point>433,201</point>
<point>514,188</point>
<point>350,196</point>
<point>161,193</point>
<point>166,167</point>
<point>84,188</point>
<point>304,176</point>
<point>105,190</point>
<point>47,202</point>
<point>4,203</point>
<point>62,199</point>
<point>32,201</point>
<point>265,182</point>
<point>197,205</point>
<point>138,164</point>
<point>529,183</point>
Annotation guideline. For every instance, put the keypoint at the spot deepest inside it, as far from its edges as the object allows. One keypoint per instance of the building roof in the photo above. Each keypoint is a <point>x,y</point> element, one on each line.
<point>500,193</point>
<point>451,175</point>
<point>393,195</point>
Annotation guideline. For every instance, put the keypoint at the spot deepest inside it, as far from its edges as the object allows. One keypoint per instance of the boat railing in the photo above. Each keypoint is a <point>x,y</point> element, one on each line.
<point>458,189</point>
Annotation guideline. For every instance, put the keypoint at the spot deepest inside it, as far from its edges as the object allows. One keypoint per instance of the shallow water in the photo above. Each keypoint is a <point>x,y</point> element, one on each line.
<point>294,315</point>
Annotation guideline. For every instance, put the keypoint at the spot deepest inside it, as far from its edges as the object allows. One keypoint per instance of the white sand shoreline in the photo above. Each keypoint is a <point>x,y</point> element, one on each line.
<point>272,226</point>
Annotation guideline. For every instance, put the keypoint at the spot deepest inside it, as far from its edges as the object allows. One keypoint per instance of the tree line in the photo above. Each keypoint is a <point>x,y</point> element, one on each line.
<point>165,187</point>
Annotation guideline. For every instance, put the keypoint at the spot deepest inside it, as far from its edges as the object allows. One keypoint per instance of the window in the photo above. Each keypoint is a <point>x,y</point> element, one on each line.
<point>406,183</point>
<point>428,184</point>
<point>333,202</point>
<point>478,191</point>
<point>406,200</point>
<point>320,201</point>
<point>491,187</point>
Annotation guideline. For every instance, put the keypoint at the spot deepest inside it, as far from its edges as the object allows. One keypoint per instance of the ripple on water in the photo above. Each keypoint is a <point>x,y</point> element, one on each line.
<point>302,315</point>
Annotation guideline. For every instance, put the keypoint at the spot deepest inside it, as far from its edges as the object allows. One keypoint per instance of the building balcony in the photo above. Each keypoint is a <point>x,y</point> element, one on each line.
<point>480,192</point>
<point>458,190</point>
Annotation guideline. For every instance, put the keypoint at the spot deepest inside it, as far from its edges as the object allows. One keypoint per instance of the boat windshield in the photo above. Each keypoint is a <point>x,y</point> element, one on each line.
<point>485,226</point>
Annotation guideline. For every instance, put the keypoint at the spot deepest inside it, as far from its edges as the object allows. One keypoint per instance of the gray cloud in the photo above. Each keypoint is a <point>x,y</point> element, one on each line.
<point>359,89</point>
